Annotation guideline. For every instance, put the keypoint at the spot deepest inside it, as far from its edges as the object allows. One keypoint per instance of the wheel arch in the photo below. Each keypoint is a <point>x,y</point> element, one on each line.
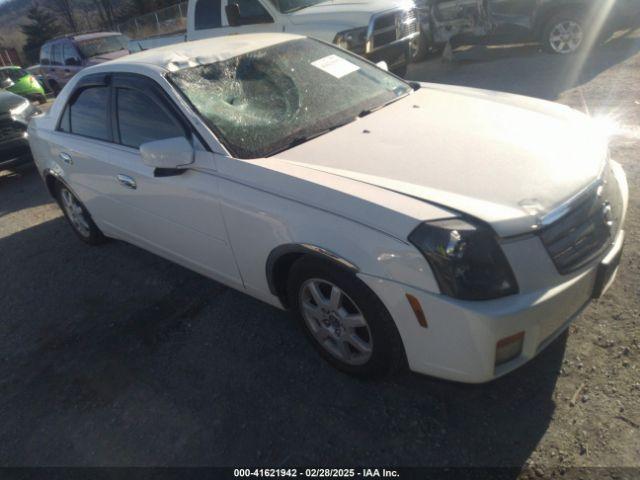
<point>544,15</point>
<point>282,258</point>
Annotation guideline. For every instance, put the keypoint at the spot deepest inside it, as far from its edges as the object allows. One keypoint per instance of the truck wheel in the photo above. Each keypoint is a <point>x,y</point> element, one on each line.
<point>345,321</point>
<point>564,33</point>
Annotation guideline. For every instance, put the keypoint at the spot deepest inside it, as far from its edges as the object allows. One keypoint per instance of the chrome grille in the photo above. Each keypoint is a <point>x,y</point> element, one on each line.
<point>589,227</point>
<point>389,27</point>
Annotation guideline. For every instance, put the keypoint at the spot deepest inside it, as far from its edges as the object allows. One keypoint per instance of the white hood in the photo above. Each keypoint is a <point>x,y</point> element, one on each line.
<point>503,158</point>
<point>356,12</point>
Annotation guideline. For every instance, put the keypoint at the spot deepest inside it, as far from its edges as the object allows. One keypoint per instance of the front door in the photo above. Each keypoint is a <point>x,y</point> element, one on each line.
<point>177,217</point>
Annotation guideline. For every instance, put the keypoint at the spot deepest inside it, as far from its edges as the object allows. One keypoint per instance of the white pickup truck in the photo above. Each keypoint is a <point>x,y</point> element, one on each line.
<point>379,30</point>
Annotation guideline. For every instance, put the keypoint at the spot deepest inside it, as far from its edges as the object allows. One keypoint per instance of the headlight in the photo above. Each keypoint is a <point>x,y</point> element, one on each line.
<point>353,40</point>
<point>20,109</point>
<point>466,259</point>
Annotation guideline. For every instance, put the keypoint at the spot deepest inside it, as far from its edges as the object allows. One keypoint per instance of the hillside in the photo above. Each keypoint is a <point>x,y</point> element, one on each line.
<point>13,14</point>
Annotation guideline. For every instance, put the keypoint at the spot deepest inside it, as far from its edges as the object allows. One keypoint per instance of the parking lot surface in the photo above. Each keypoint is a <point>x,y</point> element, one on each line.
<point>113,356</point>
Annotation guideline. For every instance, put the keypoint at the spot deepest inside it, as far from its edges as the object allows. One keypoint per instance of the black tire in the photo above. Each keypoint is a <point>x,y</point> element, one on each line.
<point>387,353</point>
<point>92,234</point>
<point>42,99</point>
<point>558,19</point>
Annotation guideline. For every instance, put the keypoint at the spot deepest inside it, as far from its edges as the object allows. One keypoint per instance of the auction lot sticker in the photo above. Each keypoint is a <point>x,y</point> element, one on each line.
<point>335,65</point>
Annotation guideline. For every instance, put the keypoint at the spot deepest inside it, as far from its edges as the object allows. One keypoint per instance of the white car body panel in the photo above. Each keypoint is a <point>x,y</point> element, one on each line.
<point>322,21</point>
<point>358,196</point>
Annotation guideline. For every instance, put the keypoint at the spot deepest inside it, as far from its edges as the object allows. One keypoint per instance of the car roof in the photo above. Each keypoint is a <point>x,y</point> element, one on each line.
<point>188,54</point>
<point>91,36</point>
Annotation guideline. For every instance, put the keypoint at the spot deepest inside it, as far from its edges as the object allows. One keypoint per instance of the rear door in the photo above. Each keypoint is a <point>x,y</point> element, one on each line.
<point>512,20</point>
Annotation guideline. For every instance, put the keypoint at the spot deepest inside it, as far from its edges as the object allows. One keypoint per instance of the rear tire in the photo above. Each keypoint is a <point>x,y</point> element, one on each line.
<point>344,320</point>
<point>565,33</point>
<point>78,216</point>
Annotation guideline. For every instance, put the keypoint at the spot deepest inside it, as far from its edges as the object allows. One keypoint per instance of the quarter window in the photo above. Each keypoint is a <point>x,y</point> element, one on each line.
<point>142,120</point>
<point>45,55</point>
<point>208,14</point>
<point>87,115</point>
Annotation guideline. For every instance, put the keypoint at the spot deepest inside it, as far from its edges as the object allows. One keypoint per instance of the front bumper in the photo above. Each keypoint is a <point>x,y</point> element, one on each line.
<point>462,337</point>
<point>460,340</point>
<point>14,152</point>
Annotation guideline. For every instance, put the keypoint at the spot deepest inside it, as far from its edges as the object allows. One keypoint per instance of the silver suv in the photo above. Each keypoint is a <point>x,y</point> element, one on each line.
<point>62,58</point>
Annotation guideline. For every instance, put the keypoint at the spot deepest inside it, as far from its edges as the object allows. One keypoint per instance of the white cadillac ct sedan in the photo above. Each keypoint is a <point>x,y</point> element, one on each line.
<point>455,230</point>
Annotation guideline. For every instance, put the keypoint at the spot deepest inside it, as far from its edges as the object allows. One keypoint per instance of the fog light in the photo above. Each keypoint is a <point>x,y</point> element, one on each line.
<point>509,348</point>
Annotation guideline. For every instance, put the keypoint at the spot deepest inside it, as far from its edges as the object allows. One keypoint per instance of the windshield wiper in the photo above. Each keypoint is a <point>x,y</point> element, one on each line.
<point>367,111</point>
<point>305,138</point>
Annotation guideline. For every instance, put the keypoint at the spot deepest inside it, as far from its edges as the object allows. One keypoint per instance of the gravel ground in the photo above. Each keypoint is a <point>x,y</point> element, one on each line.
<point>113,356</point>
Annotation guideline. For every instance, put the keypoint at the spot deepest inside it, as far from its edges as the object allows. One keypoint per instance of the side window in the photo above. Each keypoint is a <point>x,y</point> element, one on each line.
<point>70,55</point>
<point>45,54</point>
<point>141,119</point>
<point>251,12</point>
<point>56,54</point>
<point>87,115</point>
<point>208,14</point>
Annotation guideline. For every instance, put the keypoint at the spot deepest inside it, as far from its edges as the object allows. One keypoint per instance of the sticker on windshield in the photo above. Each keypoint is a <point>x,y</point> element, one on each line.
<point>335,65</point>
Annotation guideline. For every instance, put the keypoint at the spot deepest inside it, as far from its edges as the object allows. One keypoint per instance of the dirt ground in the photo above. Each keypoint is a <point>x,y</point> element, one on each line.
<point>113,356</point>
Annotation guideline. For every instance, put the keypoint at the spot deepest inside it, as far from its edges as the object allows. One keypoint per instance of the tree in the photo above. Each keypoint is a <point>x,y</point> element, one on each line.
<point>66,9</point>
<point>105,12</point>
<point>43,27</point>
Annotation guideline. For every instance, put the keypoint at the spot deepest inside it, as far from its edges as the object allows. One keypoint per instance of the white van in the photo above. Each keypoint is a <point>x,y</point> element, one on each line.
<point>379,30</point>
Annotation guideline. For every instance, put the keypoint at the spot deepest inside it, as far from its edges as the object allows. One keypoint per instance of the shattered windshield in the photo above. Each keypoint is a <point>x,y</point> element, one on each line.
<point>271,99</point>
<point>288,6</point>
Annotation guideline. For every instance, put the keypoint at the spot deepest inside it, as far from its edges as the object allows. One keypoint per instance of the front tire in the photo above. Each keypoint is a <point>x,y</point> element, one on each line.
<point>344,320</point>
<point>78,216</point>
<point>565,33</point>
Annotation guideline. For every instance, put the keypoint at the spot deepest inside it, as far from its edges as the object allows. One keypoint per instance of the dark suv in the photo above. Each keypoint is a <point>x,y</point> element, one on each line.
<point>62,58</point>
<point>560,26</point>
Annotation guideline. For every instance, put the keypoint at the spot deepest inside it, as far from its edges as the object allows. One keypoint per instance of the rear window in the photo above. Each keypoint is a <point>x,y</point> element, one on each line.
<point>208,14</point>
<point>94,47</point>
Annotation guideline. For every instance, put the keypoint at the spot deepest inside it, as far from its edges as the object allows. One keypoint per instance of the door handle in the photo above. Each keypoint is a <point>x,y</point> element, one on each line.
<point>127,181</point>
<point>66,158</point>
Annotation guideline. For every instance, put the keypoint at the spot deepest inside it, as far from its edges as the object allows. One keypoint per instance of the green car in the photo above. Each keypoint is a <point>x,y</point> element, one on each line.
<point>21,82</point>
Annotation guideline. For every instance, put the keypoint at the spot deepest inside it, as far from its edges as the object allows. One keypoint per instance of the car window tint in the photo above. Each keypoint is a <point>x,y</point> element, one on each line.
<point>141,119</point>
<point>88,115</point>
<point>65,123</point>
<point>56,54</point>
<point>252,12</point>
<point>208,14</point>
<point>70,55</point>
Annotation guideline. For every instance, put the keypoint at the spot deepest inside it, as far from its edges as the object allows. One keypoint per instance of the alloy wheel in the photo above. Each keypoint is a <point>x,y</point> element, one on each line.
<point>335,321</point>
<point>75,213</point>
<point>566,37</point>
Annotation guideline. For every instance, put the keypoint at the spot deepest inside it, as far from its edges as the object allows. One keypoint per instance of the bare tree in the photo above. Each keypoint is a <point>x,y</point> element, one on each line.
<point>66,9</point>
<point>105,11</point>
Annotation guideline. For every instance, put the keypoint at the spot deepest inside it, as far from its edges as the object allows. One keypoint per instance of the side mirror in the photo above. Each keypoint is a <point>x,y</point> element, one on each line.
<point>383,65</point>
<point>169,156</point>
<point>6,83</point>
<point>233,14</point>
